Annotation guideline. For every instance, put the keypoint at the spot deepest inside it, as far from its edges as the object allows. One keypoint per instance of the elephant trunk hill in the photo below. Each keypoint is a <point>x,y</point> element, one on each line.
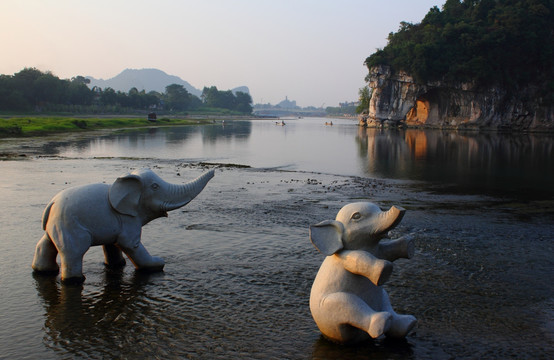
<point>478,64</point>
<point>397,98</point>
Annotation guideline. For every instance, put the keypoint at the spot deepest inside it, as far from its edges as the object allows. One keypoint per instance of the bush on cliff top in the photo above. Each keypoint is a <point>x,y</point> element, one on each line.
<point>506,43</point>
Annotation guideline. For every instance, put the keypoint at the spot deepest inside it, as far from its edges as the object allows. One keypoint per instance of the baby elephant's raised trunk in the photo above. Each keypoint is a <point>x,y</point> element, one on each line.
<point>180,195</point>
<point>389,219</point>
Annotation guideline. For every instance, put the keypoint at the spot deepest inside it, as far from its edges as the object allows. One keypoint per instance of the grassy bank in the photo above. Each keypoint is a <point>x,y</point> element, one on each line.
<point>42,125</point>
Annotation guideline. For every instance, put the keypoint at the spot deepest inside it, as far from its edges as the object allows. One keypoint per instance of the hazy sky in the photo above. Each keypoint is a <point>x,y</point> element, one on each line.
<point>309,50</point>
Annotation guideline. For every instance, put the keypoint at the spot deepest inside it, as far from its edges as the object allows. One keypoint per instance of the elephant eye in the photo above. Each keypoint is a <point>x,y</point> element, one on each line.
<point>155,186</point>
<point>356,216</point>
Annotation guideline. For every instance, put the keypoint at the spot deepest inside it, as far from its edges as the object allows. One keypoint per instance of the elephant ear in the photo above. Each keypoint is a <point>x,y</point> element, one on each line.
<point>124,194</point>
<point>327,236</point>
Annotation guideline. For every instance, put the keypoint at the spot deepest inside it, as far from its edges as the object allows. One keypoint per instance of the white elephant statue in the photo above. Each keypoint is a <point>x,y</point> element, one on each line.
<point>347,300</point>
<point>108,215</point>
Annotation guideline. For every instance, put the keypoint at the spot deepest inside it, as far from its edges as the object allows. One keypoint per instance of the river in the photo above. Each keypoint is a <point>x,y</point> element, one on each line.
<point>239,264</point>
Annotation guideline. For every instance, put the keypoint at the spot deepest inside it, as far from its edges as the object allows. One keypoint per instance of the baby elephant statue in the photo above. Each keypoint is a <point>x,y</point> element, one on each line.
<point>347,300</point>
<point>108,215</point>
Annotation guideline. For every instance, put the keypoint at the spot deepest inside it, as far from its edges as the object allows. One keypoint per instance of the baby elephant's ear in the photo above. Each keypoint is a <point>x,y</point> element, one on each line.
<point>124,194</point>
<point>327,236</point>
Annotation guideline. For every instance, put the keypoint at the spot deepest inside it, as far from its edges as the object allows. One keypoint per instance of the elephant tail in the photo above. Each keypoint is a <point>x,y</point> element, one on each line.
<point>46,214</point>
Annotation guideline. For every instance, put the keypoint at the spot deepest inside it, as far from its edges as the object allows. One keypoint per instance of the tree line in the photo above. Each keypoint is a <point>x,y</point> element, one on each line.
<point>506,43</point>
<point>34,90</point>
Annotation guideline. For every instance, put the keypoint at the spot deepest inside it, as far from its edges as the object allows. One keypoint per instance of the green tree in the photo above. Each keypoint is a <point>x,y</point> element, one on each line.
<point>78,93</point>
<point>227,100</point>
<point>134,98</point>
<point>108,97</point>
<point>80,79</point>
<point>363,98</point>
<point>23,83</point>
<point>151,99</point>
<point>10,97</point>
<point>48,88</point>
<point>210,96</point>
<point>243,102</point>
<point>176,97</point>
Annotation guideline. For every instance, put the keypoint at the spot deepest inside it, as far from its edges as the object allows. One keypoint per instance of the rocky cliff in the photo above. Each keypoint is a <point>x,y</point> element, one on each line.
<point>397,100</point>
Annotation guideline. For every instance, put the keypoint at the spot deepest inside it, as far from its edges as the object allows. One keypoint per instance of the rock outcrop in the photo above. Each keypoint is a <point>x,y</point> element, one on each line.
<point>396,99</point>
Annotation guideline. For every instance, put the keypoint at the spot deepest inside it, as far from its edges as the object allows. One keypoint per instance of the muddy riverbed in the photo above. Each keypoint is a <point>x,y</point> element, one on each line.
<point>239,267</point>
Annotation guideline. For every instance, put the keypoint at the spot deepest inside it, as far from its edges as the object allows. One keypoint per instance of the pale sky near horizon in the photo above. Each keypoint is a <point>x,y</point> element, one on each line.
<point>309,50</point>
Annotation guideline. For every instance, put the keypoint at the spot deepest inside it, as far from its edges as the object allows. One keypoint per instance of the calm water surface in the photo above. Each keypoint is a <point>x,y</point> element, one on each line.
<point>239,265</point>
<point>480,162</point>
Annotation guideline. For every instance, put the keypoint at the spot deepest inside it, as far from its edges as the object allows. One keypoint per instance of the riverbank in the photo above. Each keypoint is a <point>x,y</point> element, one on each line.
<point>34,125</point>
<point>25,126</point>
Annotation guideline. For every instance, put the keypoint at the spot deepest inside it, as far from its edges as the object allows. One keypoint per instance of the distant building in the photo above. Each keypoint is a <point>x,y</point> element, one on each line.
<point>347,104</point>
<point>287,104</point>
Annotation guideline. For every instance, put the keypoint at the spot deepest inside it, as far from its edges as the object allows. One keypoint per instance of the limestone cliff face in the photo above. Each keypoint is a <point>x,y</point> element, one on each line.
<point>398,99</point>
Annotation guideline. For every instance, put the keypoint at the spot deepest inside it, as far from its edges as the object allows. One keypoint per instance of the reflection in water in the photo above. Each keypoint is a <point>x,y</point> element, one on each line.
<point>161,142</point>
<point>85,325</point>
<point>236,130</point>
<point>488,162</point>
<point>385,348</point>
<point>485,163</point>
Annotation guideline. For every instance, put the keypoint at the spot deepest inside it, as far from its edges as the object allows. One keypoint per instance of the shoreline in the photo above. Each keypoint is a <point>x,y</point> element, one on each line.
<point>28,126</point>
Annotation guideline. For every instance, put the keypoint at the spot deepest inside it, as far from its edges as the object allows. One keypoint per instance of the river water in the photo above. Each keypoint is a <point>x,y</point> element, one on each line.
<point>239,264</point>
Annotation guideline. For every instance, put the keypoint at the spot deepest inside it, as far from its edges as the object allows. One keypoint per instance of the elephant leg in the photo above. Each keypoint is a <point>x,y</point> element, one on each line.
<point>72,267</point>
<point>142,260</point>
<point>341,308</point>
<point>73,245</point>
<point>113,257</point>
<point>45,256</point>
<point>401,325</point>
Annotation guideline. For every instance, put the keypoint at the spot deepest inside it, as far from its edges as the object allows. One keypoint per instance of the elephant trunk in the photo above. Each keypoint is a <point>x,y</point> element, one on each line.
<point>180,195</point>
<point>389,219</point>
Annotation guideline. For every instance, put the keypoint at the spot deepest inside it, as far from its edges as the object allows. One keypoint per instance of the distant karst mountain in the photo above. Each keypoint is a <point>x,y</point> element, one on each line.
<point>243,89</point>
<point>148,80</point>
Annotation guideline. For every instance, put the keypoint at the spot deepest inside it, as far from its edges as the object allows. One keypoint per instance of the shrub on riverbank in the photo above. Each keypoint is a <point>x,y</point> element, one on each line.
<point>39,125</point>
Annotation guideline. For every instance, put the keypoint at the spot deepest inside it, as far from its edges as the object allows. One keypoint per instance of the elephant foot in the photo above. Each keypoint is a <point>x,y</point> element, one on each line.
<point>154,264</point>
<point>150,269</point>
<point>73,280</point>
<point>48,272</point>
<point>380,323</point>
<point>115,264</point>
<point>401,326</point>
<point>45,267</point>
<point>113,257</point>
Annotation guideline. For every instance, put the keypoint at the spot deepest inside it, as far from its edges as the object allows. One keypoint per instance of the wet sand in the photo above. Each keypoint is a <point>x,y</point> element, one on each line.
<point>239,267</point>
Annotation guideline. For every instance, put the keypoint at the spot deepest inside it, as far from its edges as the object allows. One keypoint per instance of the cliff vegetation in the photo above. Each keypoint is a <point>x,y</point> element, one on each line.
<point>507,43</point>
